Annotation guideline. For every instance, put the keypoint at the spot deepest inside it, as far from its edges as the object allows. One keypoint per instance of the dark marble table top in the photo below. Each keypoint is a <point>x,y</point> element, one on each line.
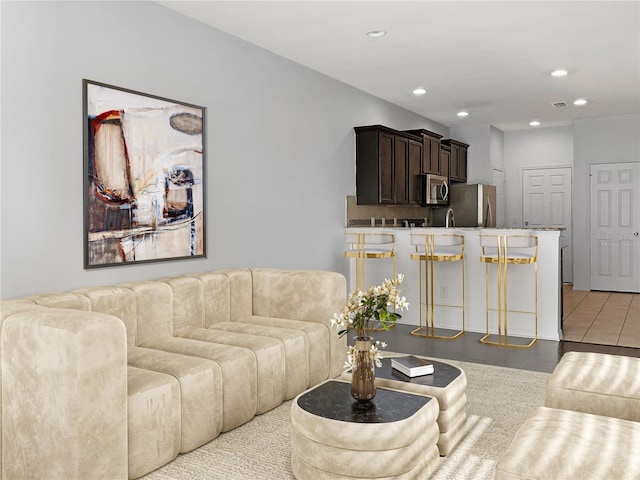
<point>443,374</point>
<point>333,400</point>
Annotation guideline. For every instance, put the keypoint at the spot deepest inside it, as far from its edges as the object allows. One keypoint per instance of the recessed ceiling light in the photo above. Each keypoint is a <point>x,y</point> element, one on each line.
<point>376,33</point>
<point>462,114</point>
<point>534,123</point>
<point>580,102</point>
<point>420,91</point>
<point>559,73</point>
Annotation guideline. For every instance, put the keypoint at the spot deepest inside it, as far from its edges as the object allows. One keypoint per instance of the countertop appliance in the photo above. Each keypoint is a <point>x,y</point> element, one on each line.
<point>435,190</point>
<point>474,205</point>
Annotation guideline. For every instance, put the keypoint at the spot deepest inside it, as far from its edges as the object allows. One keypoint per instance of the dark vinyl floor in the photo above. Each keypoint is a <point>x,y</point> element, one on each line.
<point>543,356</point>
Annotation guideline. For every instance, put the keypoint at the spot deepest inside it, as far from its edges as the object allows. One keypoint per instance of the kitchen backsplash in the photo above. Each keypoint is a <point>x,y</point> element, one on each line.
<point>361,215</point>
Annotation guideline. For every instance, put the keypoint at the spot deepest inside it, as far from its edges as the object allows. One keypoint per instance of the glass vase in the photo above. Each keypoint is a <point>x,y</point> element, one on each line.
<point>363,373</point>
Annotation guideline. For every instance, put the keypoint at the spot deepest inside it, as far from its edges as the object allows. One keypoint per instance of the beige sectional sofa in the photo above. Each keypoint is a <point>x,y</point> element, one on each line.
<point>114,382</point>
<point>589,427</point>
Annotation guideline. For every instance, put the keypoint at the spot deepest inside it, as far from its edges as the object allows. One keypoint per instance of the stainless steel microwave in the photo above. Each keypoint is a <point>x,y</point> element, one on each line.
<point>435,190</point>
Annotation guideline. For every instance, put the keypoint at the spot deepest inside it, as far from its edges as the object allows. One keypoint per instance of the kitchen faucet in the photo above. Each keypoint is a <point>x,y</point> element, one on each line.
<point>449,215</point>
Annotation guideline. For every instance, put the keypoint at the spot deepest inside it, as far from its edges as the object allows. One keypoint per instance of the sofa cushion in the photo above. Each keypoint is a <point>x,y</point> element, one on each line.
<point>240,292</point>
<point>154,305</point>
<point>64,395</point>
<point>116,301</point>
<point>200,383</point>
<point>294,294</point>
<point>217,297</point>
<point>318,341</point>
<point>189,320</point>
<point>154,308</point>
<point>62,300</point>
<point>596,383</point>
<point>562,444</point>
<point>270,361</point>
<point>296,351</point>
<point>154,419</point>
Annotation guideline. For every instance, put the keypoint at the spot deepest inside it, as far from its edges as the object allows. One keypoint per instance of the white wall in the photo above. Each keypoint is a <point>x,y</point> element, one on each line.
<point>614,139</point>
<point>496,148</point>
<point>534,148</point>
<point>486,150</point>
<point>280,160</point>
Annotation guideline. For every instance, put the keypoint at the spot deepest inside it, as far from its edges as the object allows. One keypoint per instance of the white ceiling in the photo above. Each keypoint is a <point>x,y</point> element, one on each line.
<point>491,58</point>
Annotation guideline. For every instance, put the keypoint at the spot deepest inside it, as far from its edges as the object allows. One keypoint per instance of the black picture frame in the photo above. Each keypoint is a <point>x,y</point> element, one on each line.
<point>144,177</point>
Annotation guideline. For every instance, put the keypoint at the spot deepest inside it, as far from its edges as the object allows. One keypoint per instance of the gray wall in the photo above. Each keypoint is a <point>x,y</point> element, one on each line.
<point>280,140</point>
<point>532,148</point>
<point>478,155</point>
<point>614,139</point>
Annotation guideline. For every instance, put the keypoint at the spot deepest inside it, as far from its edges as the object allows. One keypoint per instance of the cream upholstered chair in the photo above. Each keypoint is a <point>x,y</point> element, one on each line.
<point>364,245</point>
<point>433,246</point>
<point>505,249</point>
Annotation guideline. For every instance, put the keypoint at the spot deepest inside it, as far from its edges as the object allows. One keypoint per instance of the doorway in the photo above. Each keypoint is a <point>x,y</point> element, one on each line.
<point>546,202</point>
<point>615,227</point>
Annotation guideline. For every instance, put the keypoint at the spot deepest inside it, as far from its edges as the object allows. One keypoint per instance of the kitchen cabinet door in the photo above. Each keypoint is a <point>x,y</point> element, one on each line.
<point>434,156</point>
<point>458,160</point>
<point>462,162</point>
<point>386,144</point>
<point>382,165</point>
<point>445,160</point>
<point>415,169</point>
<point>401,170</point>
<point>454,163</point>
<point>430,150</point>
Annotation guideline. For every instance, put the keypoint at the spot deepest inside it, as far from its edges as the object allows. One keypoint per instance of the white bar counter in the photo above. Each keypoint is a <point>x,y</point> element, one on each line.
<point>448,284</point>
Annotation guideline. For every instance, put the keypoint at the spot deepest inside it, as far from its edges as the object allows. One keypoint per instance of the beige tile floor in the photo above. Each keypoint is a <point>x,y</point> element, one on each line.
<point>606,318</point>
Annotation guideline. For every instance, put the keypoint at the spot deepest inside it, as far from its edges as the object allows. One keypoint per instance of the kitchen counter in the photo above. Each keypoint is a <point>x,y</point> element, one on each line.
<point>448,288</point>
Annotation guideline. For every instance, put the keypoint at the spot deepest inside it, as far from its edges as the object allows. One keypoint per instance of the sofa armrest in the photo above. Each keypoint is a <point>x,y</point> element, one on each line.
<point>64,395</point>
<point>307,295</point>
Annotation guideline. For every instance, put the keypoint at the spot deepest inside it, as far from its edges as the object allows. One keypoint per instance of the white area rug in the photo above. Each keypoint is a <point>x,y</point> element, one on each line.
<point>499,399</point>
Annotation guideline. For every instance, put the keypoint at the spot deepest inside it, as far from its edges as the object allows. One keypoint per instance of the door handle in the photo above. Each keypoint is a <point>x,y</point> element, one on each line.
<point>635,234</point>
<point>526,224</point>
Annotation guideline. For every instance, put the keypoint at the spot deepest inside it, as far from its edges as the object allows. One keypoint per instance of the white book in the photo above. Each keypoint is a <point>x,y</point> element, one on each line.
<point>412,366</point>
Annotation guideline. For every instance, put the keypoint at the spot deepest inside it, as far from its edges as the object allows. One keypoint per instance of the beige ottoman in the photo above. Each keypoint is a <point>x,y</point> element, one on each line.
<point>335,437</point>
<point>566,445</point>
<point>448,385</point>
<point>596,383</point>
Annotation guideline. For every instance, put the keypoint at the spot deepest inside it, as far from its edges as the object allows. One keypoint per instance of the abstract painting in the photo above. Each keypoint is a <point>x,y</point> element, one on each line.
<point>144,161</point>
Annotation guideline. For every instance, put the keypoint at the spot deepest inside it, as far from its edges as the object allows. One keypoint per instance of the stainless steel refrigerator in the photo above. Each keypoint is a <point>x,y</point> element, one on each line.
<point>473,205</point>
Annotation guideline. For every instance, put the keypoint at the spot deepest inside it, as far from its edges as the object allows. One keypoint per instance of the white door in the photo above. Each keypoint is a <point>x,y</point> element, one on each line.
<point>615,226</point>
<point>498,181</point>
<point>546,202</point>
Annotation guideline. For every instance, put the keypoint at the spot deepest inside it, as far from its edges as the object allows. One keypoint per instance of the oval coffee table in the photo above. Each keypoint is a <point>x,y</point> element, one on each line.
<point>447,384</point>
<point>334,436</point>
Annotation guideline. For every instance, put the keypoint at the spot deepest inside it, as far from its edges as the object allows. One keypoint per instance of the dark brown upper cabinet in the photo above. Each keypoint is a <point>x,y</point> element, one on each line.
<point>458,160</point>
<point>387,166</point>
<point>431,161</point>
<point>445,160</point>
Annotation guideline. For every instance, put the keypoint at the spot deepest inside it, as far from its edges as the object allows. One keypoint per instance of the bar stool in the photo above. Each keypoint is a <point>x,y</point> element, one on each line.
<point>364,245</point>
<point>504,249</point>
<point>432,245</point>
